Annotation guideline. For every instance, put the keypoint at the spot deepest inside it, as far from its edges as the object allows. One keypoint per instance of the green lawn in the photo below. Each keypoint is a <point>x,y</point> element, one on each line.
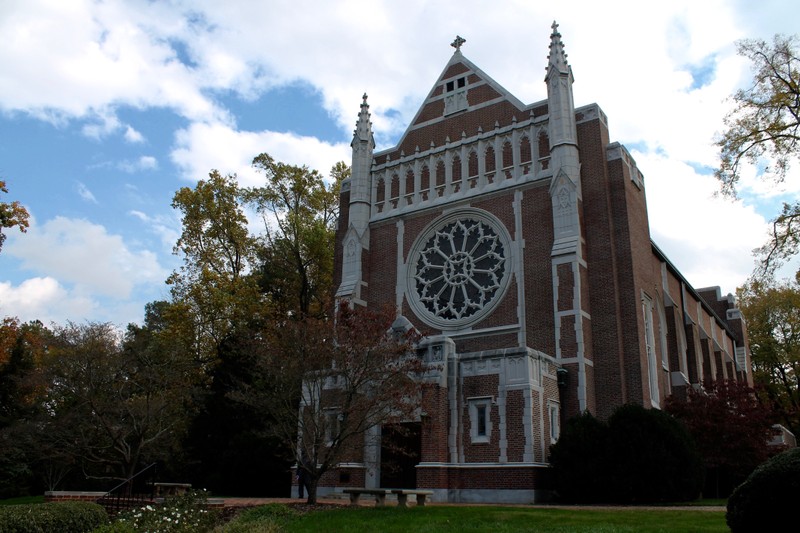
<point>23,500</point>
<point>463,519</point>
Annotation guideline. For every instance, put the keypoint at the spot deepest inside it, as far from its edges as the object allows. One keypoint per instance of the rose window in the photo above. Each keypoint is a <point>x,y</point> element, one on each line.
<point>458,270</point>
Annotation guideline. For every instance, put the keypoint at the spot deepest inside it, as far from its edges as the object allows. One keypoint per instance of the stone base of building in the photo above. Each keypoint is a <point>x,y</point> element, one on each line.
<point>487,482</point>
<point>509,496</point>
<point>511,483</point>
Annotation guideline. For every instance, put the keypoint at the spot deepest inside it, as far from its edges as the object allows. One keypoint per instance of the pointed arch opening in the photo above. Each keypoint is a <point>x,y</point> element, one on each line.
<point>409,193</point>
<point>395,189</point>
<point>472,169</point>
<point>544,150</point>
<point>525,154</point>
<point>489,163</point>
<point>456,173</point>
<point>440,178</point>
<point>425,182</point>
<point>380,194</point>
<point>508,159</point>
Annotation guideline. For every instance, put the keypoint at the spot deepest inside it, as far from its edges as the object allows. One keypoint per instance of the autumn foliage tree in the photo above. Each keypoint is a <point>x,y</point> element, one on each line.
<point>731,428</point>
<point>299,211</point>
<point>11,215</point>
<point>213,291</point>
<point>21,349</point>
<point>772,310</point>
<point>235,284</point>
<point>328,383</point>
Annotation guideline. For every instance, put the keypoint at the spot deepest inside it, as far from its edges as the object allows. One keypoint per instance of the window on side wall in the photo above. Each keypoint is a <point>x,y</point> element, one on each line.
<point>480,416</point>
<point>331,421</point>
<point>554,414</point>
<point>650,349</point>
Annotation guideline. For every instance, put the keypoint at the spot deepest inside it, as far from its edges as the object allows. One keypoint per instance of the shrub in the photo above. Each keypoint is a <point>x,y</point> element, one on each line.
<point>115,527</point>
<point>66,517</point>
<point>263,519</point>
<point>732,429</point>
<point>640,455</point>
<point>579,459</point>
<point>765,500</point>
<point>653,456</point>
<point>187,513</point>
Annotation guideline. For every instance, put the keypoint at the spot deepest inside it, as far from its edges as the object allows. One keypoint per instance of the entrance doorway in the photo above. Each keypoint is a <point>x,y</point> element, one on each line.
<point>401,445</point>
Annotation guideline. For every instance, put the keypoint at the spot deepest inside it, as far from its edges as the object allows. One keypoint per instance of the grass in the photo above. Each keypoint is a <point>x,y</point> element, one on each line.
<point>465,519</point>
<point>22,500</point>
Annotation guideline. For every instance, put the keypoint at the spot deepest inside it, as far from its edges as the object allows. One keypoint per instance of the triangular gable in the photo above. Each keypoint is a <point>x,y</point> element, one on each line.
<point>466,98</point>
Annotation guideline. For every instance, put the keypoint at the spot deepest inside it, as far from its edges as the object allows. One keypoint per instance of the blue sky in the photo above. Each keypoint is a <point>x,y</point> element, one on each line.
<point>107,108</point>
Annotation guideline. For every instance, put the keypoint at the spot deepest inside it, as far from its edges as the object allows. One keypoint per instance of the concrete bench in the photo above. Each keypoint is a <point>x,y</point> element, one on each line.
<point>170,489</point>
<point>355,494</point>
<point>403,494</point>
<point>380,495</point>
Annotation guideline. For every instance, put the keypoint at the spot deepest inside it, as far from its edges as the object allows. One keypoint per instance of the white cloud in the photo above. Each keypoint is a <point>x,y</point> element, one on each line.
<point>203,147</point>
<point>45,299</point>
<point>80,59</point>
<point>145,162</point>
<point>710,239</point>
<point>85,255</point>
<point>85,193</point>
<point>167,228</point>
<point>132,136</point>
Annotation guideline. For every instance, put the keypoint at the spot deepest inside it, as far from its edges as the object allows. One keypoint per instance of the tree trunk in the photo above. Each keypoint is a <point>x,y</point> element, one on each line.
<point>312,490</point>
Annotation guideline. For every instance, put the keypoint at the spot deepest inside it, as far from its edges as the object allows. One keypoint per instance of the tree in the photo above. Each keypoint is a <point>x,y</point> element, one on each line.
<point>111,405</point>
<point>228,448</point>
<point>772,310</point>
<point>213,289</point>
<point>299,212</point>
<point>233,290</point>
<point>11,214</point>
<point>732,429</point>
<point>21,348</point>
<point>764,126</point>
<point>326,383</point>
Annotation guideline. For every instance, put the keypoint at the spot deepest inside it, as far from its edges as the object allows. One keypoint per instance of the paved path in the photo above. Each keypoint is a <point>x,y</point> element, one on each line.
<point>246,502</point>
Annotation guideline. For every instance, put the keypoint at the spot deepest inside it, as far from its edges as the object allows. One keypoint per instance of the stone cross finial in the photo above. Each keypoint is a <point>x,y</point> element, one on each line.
<point>458,42</point>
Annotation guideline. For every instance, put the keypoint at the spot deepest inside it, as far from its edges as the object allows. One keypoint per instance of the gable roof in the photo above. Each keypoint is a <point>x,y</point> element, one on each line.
<point>487,105</point>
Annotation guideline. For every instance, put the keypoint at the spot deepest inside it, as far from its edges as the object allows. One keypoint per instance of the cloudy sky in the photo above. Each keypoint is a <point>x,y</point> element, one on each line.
<point>108,107</point>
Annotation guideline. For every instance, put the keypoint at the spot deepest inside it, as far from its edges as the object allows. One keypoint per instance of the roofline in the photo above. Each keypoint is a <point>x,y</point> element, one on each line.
<point>660,253</point>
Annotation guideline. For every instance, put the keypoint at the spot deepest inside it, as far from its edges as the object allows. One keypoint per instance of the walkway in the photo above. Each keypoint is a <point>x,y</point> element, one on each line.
<point>247,502</point>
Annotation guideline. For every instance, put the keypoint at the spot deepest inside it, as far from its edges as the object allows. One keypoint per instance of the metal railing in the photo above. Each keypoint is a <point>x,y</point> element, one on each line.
<point>134,492</point>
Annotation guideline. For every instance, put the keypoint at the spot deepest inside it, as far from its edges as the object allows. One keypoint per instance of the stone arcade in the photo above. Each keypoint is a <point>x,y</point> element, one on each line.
<point>516,238</point>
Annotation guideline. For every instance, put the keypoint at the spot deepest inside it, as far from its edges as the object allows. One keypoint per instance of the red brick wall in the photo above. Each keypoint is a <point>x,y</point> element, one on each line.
<point>71,496</point>
<point>435,425</point>
<point>515,413</point>
<point>500,478</point>
<point>468,122</point>
<point>537,216</point>
<point>482,452</point>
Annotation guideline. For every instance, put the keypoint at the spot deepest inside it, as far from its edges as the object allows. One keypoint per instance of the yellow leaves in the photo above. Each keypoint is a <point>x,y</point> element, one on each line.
<point>11,214</point>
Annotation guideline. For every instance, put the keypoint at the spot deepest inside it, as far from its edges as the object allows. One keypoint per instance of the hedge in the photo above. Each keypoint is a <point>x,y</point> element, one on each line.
<point>765,501</point>
<point>639,456</point>
<point>62,517</point>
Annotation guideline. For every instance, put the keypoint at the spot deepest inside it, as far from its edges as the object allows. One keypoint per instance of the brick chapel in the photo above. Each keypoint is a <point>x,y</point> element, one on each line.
<point>515,236</point>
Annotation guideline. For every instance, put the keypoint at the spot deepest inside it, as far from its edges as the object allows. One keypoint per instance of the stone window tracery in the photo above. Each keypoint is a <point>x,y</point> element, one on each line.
<point>460,267</point>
